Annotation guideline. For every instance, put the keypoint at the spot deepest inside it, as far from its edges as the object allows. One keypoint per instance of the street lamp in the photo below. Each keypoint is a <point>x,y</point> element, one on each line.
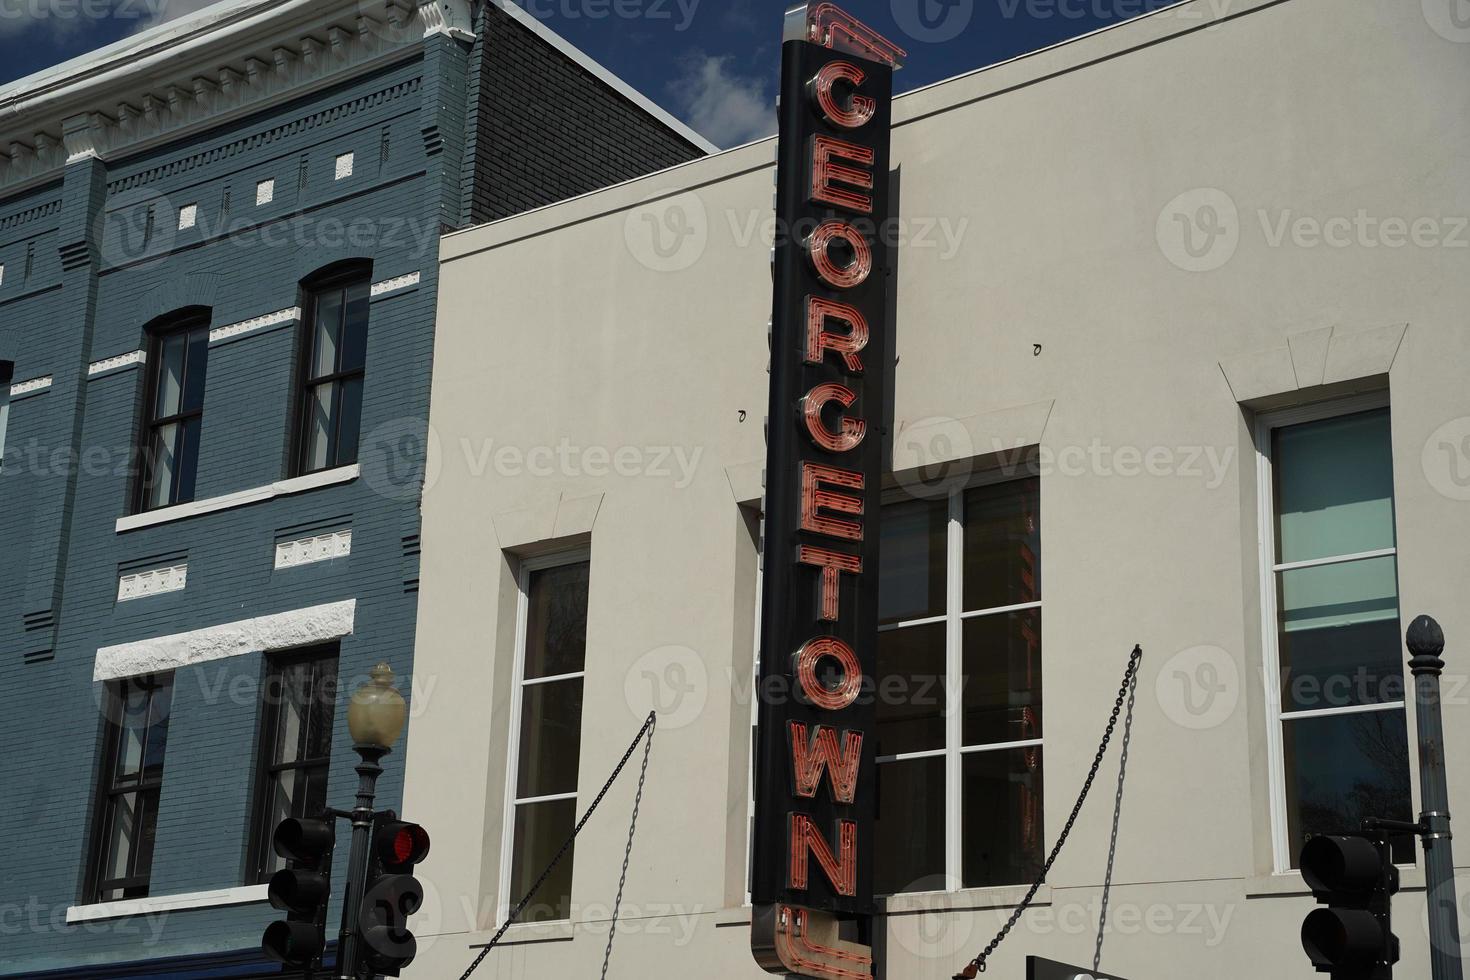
<point>375,719</point>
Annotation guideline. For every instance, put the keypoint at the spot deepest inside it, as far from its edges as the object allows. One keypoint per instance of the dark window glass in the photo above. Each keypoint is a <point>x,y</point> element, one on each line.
<point>174,415</point>
<point>7,374</point>
<point>334,364</point>
<point>540,831</point>
<point>297,706</point>
<point>911,567</point>
<point>1002,677</point>
<point>910,852</point>
<point>1001,835</point>
<point>131,775</point>
<point>1002,545</point>
<point>910,689</point>
<point>556,621</point>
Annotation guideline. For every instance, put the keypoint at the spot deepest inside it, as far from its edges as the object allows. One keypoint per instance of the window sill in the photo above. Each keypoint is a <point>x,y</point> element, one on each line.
<point>560,931</point>
<point>1290,884</point>
<point>243,895</point>
<point>281,488</point>
<point>965,900</point>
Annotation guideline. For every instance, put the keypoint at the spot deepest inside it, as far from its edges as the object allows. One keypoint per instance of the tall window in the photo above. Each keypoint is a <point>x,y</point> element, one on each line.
<point>131,773</point>
<point>333,364</point>
<point>7,375</point>
<point>296,710</point>
<point>959,708</point>
<point>1339,737</point>
<point>546,728</point>
<point>174,412</point>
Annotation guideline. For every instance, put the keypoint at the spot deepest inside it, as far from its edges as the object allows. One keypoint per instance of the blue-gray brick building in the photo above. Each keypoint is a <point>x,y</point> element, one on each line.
<point>218,263</point>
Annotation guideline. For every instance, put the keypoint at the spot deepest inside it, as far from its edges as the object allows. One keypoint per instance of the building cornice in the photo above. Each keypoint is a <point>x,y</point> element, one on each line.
<point>202,71</point>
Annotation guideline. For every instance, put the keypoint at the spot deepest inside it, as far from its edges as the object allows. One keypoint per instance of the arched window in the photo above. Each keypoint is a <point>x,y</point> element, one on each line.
<point>333,364</point>
<point>173,412</point>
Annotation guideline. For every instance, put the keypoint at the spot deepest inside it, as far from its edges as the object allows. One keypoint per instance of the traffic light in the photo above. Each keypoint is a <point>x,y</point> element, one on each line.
<point>392,894</point>
<point>301,890</point>
<point>1355,877</point>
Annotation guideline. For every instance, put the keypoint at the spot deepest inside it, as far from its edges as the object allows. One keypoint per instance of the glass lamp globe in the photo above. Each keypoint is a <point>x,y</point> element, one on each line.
<point>377,712</point>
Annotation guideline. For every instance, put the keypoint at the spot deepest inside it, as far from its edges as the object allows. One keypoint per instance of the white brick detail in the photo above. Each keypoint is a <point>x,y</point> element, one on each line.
<point>344,166</point>
<point>256,323</point>
<point>188,216</point>
<point>112,363</point>
<point>26,387</point>
<point>306,551</point>
<point>281,631</point>
<point>155,581</point>
<point>265,192</point>
<point>393,285</point>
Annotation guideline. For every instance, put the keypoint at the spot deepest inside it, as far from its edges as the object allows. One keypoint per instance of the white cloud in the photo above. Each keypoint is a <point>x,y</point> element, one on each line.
<point>727,108</point>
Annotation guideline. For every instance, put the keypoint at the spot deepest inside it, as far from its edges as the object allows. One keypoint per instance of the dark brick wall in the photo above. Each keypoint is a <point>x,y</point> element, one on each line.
<point>546,130</point>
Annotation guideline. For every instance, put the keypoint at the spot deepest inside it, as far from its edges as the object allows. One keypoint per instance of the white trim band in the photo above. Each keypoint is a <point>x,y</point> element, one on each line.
<point>277,631</point>
<point>26,387</point>
<point>290,315</point>
<point>393,285</point>
<point>308,551</point>
<point>130,359</point>
<point>167,903</point>
<point>281,488</point>
<point>154,581</point>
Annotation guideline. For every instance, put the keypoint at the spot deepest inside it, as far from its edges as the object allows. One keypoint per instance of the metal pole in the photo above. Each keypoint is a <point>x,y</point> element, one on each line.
<point>1426,642</point>
<point>362,827</point>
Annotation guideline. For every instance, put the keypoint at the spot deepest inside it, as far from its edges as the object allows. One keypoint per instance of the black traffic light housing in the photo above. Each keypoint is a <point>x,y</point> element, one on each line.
<point>301,890</point>
<point>1355,877</point>
<point>392,893</point>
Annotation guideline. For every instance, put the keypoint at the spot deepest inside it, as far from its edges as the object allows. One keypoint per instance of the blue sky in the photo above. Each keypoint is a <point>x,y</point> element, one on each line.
<point>713,63</point>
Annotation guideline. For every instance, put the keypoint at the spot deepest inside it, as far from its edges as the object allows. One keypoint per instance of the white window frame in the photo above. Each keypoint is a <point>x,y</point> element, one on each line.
<point>1266,425</point>
<point>518,684</point>
<point>954,617</point>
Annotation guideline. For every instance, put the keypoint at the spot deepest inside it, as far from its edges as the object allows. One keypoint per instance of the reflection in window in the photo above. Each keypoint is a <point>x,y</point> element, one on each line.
<point>548,734</point>
<point>297,706</point>
<point>174,414</point>
<point>1343,736</point>
<point>131,777</point>
<point>334,365</point>
<point>959,784</point>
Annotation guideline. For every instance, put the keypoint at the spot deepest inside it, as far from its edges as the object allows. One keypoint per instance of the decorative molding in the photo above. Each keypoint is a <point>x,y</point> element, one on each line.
<point>155,904</point>
<point>130,359</point>
<point>155,581</point>
<point>308,551</point>
<point>31,386</point>
<point>188,216</point>
<point>393,285</point>
<point>256,323</point>
<point>450,18</point>
<point>265,191</point>
<point>344,166</point>
<point>278,631</point>
<point>241,498</point>
<point>1311,359</point>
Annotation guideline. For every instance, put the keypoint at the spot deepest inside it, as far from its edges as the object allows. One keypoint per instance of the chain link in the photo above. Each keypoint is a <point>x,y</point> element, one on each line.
<point>1107,888</point>
<point>977,965</point>
<point>515,913</point>
<point>612,927</point>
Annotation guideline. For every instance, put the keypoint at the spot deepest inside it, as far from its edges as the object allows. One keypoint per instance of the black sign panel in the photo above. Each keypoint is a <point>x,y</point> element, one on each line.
<point>1040,969</point>
<point>815,804</point>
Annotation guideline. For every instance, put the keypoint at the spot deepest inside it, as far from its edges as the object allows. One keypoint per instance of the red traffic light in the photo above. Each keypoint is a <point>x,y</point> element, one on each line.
<point>401,845</point>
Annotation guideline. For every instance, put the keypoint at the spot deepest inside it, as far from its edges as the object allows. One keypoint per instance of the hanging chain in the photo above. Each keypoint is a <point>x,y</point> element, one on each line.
<point>977,965</point>
<point>1107,887</point>
<point>515,913</point>
<point>612,927</point>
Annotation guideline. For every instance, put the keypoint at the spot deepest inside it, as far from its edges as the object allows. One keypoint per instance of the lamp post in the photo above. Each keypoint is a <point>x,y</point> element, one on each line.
<point>375,719</point>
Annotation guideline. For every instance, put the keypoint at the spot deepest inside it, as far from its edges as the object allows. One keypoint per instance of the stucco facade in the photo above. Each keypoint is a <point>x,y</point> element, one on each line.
<point>1121,254</point>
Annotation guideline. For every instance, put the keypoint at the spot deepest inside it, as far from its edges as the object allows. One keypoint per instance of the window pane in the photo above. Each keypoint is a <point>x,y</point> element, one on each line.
<point>350,415</point>
<point>1002,677</point>
<point>323,691</point>
<point>1334,487</point>
<point>1339,595</point>
<point>556,621</point>
<point>122,831</point>
<point>187,461</point>
<point>147,819</point>
<point>292,716</point>
<point>1002,832</point>
<point>162,465</point>
<point>910,832</point>
<point>910,691</point>
<point>911,571</point>
<point>327,326</point>
<point>170,377</point>
<point>1341,769</point>
<point>540,831</point>
<point>157,738</point>
<point>1341,666</point>
<point>318,436</point>
<point>354,331</point>
<point>551,738</point>
<point>1002,544</point>
<point>198,357</point>
<point>133,725</point>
